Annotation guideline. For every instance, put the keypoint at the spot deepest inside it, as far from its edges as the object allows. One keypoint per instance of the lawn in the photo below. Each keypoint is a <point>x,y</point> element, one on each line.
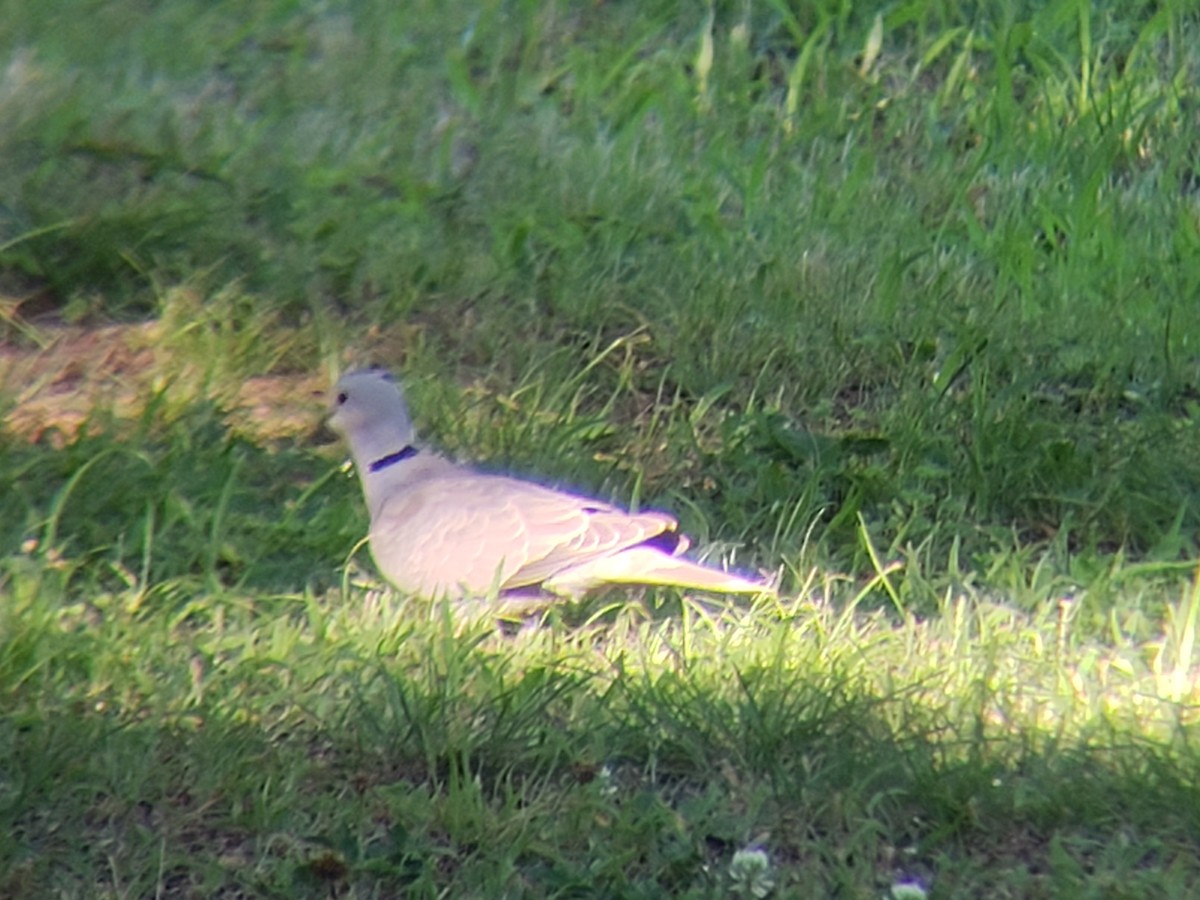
<point>897,303</point>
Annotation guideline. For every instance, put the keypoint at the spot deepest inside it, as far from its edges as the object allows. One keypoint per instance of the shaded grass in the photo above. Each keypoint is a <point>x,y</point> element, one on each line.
<point>972,240</point>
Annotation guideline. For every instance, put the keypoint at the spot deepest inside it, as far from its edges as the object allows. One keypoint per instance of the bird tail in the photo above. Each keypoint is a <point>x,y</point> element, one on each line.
<point>648,565</point>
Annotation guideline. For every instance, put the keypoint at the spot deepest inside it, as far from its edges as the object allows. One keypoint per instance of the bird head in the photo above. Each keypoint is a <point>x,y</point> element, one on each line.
<point>368,409</point>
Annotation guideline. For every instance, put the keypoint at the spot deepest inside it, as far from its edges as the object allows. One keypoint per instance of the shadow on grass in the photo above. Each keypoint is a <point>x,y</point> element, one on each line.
<point>275,755</point>
<point>185,501</point>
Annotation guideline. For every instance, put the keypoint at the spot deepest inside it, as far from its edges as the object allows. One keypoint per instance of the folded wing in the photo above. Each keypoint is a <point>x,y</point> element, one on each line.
<point>469,532</point>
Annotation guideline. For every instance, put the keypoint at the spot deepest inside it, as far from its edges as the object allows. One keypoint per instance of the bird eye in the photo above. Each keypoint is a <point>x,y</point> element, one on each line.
<point>341,398</point>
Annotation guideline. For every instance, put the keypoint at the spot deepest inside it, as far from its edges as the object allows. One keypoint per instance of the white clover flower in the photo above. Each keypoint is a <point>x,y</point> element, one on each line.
<point>908,890</point>
<point>608,781</point>
<point>750,872</point>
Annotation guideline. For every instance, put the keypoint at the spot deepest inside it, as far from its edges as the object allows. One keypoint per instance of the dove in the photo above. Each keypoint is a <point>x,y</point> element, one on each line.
<point>440,529</point>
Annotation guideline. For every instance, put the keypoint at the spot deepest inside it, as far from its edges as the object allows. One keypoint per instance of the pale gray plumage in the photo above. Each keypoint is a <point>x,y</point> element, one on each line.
<point>440,529</point>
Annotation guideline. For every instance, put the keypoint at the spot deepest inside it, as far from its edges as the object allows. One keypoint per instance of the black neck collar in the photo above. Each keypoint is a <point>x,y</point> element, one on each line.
<point>384,461</point>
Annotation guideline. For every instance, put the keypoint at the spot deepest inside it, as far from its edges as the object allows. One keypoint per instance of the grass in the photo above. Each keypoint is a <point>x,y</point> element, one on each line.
<point>897,299</point>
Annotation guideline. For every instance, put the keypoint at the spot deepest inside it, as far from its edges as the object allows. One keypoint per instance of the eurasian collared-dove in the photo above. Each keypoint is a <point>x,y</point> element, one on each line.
<point>440,529</point>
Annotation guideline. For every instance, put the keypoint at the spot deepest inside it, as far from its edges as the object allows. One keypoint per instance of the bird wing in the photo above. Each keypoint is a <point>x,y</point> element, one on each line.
<point>469,530</point>
<point>564,531</point>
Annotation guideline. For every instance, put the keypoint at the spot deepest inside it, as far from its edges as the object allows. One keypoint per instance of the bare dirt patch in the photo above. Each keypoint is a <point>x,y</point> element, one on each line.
<point>67,378</point>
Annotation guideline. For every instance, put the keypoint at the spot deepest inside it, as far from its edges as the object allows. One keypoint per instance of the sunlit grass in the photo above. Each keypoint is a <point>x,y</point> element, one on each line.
<point>406,749</point>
